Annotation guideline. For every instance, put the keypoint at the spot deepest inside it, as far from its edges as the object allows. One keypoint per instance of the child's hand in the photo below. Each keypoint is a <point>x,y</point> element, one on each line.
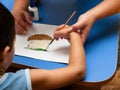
<point>62,32</point>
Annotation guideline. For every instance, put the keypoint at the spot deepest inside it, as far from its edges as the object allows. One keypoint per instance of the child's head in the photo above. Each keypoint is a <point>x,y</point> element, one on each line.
<point>7,38</point>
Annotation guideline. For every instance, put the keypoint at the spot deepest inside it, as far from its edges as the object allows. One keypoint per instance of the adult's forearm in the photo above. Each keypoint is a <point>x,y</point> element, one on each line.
<point>21,4</point>
<point>104,9</point>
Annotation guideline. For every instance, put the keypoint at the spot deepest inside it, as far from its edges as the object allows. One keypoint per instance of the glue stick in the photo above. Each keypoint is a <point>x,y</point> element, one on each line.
<point>33,10</point>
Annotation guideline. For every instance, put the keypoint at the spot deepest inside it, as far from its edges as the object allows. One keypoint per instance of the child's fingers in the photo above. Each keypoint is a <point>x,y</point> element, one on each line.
<point>62,31</point>
<point>61,27</point>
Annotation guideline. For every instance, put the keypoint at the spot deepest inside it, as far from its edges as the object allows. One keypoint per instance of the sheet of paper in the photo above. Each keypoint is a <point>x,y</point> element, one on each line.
<point>58,51</point>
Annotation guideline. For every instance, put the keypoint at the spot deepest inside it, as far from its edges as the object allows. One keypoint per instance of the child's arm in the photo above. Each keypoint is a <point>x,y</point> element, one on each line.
<point>75,71</point>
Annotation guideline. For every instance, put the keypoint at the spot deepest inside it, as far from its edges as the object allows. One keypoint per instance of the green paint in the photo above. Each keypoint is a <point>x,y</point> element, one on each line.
<point>38,49</point>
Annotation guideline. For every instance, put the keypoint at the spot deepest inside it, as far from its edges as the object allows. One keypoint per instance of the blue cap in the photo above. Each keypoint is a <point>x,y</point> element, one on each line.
<point>32,4</point>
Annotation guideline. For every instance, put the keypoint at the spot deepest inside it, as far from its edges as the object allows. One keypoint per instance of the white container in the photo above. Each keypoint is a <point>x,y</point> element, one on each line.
<point>33,13</point>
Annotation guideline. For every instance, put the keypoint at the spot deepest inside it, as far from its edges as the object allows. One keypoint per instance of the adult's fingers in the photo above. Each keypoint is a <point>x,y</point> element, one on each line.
<point>75,27</point>
<point>20,29</point>
<point>84,35</point>
<point>27,18</point>
<point>25,21</point>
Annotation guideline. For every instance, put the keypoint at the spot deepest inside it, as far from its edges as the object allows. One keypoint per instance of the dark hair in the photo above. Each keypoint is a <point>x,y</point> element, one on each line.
<point>7,28</point>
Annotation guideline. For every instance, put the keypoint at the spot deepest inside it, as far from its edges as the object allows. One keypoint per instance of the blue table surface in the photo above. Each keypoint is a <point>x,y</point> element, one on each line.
<point>101,50</point>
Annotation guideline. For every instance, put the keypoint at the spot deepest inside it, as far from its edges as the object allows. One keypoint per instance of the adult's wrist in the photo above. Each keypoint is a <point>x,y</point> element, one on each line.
<point>21,4</point>
<point>91,15</point>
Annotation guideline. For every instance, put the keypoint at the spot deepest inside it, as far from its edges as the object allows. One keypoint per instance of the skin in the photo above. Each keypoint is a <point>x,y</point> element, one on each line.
<point>75,71</point>
<point>56,78</point>
<point>20,12</point>
<point>22,18</point>
<point>85,21</point>
<point>7,57</point>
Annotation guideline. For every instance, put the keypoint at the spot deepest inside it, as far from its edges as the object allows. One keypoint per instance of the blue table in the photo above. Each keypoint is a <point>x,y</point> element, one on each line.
<point>101,51</point>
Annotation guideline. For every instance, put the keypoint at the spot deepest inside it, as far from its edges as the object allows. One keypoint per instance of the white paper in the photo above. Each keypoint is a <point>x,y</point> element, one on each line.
<point>58,51</point>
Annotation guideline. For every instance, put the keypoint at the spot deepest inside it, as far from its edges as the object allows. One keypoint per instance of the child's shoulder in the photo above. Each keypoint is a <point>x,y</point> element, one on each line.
<point>16,81</point>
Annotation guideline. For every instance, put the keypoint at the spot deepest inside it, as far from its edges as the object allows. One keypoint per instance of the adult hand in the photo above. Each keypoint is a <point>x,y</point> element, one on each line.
<point>22,21</point>
<point>83,24</point>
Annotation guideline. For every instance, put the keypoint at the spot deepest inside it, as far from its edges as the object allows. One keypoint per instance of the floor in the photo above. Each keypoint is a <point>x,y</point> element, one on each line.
<point>114,84</point>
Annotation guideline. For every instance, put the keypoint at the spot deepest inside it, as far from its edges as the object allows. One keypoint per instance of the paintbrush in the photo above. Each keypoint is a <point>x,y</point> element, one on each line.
<point>40,49</point>
<point>68,20</point>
